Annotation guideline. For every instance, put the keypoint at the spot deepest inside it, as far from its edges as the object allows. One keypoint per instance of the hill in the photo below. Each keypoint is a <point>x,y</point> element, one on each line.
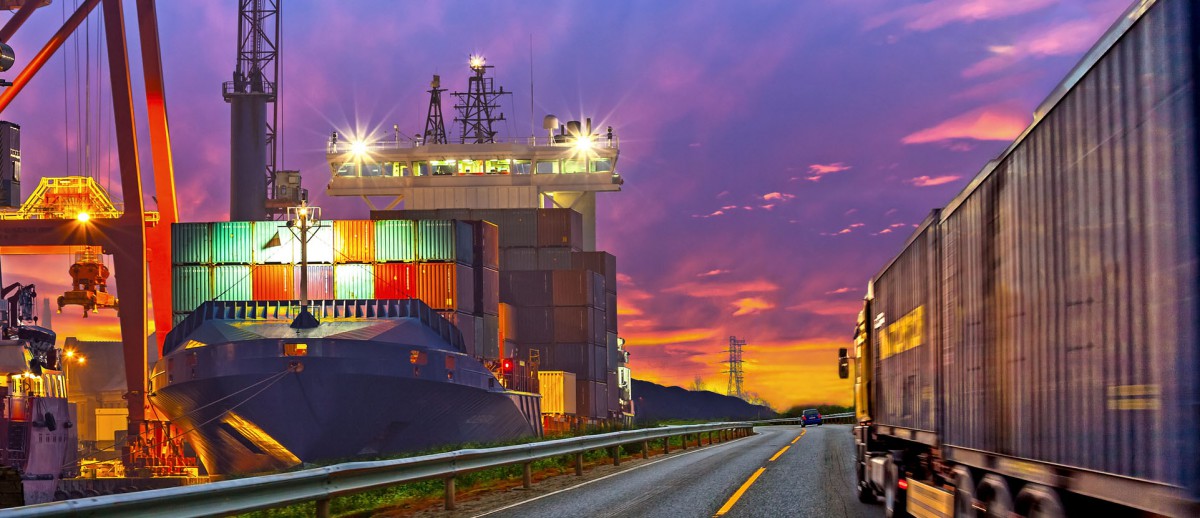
<point>655,403</point>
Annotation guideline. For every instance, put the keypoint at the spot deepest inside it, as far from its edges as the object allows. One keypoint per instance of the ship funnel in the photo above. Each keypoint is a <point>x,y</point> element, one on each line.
<point>573,128</point>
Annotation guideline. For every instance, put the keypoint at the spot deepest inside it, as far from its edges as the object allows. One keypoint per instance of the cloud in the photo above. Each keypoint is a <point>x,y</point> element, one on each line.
<point>999,122</point>
<point>816,171</point>
<point>846,230</point>
<point>778,196</point>
<point>723,288</point>
<point>838,291</point>
<point>712,214</point>
<point>751,305</point>
<point>939,13</point>
<point>712,273</point>
<point>667,337</point>
<point>1066,39</point>
<point>930,181</point>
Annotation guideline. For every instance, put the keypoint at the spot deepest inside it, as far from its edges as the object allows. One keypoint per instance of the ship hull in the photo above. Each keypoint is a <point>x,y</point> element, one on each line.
<point>248,411</point>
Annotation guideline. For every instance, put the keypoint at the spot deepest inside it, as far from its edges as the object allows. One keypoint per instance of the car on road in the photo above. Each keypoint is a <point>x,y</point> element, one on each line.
<point>810,416</point>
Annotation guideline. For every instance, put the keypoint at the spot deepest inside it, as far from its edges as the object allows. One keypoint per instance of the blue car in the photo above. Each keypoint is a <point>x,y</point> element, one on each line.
<point>810,416</point>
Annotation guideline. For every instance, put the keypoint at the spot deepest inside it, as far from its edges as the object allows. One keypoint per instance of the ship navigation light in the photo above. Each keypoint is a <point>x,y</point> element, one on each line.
<point>83,216</point>
<point>477,61</point>
<point>358,148</point>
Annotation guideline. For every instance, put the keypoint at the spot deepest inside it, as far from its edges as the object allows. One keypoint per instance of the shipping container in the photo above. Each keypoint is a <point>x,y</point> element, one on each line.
<point>354,241</point>
<point>591,399</point>
<point>191,243</point>
<point>446,286</point>
<point>445,240</point>
<point>531,288</point>
<point>602,263</point>
<point>573,324</point>
<point>471,328</point>
<point>578,358</point>
<point>597,326</point>
<point>613,359</point>
<point>614,394</point>
<point>320,245</point>
<point>599,295</point>
<point>507,322</point>
<point>558,392</point>
<point>488,293</point>
<point>518,259</point>
<point>517,227</point>
<point>573,288</point>
<point>354,281</point>
<point>487,244</point>
<point>507,348</point>
<point>232,242</point>
<point>535,324</point>
<point>273,282</point>
<point>320,282</point>
<point>232,282</point>
<point>395,280</point>
<point>273,243</point>
<point>556,258</point>
<point>610,313</point>
<point>490,336</point>
<point>191,287</point>
<point>560,228</point>
<point>395,241</point>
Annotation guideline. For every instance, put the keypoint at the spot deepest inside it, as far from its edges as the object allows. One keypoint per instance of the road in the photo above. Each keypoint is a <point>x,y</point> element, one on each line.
<point>813,476</point>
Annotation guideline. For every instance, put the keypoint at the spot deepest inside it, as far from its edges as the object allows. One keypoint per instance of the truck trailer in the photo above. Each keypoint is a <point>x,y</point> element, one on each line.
<point>1034,348</point>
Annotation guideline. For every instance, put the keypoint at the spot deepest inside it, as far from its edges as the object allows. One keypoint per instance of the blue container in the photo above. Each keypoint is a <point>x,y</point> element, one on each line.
<point>191,243</point>
<point>232,242</point>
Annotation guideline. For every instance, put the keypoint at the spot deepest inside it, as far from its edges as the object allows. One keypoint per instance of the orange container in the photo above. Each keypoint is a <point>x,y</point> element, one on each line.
<point>446,286</point>
<point>395,281</point>
<point>353,241</point>
<point>272,282</point>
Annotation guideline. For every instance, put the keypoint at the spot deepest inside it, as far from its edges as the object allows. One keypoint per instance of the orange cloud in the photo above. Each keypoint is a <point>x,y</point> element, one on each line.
<point>712,273</point>
<point>816,171</point>
<point>671,337</point>
<point>723,288</point>
<point>999,122</point>
<point>778,196</point>
<point>930,181</point>
<point>751,305</point>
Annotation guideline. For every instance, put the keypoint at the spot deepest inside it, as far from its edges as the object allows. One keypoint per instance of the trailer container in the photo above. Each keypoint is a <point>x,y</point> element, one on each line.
<point>558,392</point>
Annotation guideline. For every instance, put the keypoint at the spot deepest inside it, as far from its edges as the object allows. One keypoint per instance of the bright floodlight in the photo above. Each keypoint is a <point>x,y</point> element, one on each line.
<point>477,61</point>
<point>583,143</point>
<point>83,216</point>
<point>358,147</point>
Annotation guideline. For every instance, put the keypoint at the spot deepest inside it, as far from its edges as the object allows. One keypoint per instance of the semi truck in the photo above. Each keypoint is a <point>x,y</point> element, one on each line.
<point>1034,349</point>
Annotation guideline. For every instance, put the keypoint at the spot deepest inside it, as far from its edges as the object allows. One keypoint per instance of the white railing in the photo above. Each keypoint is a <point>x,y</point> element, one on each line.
<point>343,146</point>
<point>319,485</point>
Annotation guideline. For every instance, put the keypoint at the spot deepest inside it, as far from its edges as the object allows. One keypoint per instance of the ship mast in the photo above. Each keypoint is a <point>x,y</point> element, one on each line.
<point>302,220</point>
<point>478,104</point>
<point>435,125</point>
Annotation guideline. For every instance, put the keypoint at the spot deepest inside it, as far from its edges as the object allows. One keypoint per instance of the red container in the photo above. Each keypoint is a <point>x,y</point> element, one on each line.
<point>573,288</point>
<point>353,241</point>
<point>447,286</point>
<point>573,325</point>
<point>273,282</point>
<point>600,262</point>
<point>395,281</point>
<point>560,228</point>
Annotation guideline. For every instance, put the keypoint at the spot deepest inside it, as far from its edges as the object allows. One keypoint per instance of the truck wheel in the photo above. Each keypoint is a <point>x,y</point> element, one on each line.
<point>1038,501</point>
<point>964,493</point>
<point>995,497</point>
<point>893,497</point>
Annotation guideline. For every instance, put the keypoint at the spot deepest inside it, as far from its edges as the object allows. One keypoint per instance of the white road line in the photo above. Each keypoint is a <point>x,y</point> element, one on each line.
<point>622,472</point>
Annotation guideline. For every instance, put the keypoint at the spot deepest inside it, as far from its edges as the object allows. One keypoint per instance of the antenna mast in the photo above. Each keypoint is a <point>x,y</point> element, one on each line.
<point>252,96</point>
<point>478,104</point>
<point>435,126</point>
<point>734,367</point>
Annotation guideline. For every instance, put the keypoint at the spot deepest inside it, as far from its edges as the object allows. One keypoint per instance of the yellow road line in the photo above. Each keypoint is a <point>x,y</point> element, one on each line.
<point>785,448</point>
<point>733,499</point>
<point>802,432</point>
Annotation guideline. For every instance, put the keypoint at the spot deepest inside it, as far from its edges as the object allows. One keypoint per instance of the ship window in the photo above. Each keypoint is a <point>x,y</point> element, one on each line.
<point>470,166</point>
<point>295,349</point>
<point>443,167</point>
<point>348,169</point>
<point>521,166</point>
<point>497,166</point>
<point>601,165</point>
<point>418,358</point>
<point>372,169</point>
<point>547,166</point>
<point>422,168</point>
<point>574,165</point>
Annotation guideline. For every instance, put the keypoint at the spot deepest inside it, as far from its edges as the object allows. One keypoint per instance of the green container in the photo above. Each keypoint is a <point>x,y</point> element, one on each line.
<point>320,245</point>
<point>232,282</point>
<point>191,243</point>
<point>232,242</point>
<point>395,241</point>
<point>440,240</point>
<point>354,281</point>
<point>273,243</point>
<point>192,286</point>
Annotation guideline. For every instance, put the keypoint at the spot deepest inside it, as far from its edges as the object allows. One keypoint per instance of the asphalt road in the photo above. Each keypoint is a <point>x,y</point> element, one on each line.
<point>813,477</point>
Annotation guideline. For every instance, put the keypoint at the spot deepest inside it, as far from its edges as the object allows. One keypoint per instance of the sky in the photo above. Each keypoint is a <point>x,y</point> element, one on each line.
<point>776,154</point>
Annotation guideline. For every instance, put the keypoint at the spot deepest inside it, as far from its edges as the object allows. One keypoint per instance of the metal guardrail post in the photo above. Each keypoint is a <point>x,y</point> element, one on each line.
<point>527,476</point>
<point>323,508</point>
<point>450,494</point>
<point>579,464</point>
<point>683,441</point>
<point>615,451</point>
<point>666,445</point>
<point>645,449</point>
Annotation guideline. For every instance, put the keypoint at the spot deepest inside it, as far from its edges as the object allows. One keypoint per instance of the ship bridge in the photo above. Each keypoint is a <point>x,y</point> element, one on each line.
<point>560,170</point>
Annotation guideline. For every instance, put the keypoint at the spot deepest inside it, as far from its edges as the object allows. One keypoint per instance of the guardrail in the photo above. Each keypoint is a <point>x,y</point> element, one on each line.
<point>320,485</point>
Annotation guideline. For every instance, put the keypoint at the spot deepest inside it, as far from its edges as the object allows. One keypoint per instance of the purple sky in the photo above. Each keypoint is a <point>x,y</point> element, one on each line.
<point>776,154</point>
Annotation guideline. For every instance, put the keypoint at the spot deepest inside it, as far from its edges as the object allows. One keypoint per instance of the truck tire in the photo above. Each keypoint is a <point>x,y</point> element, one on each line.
<point>893,497</point>
<point>964,493</point>
<point>1038,501</point>
<point>995,497</point>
